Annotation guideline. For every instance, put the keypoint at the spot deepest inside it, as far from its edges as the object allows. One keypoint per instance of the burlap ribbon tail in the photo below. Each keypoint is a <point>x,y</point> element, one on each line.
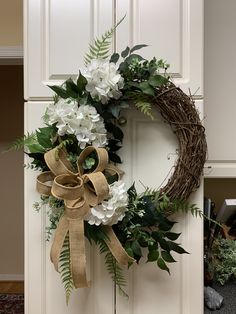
<point>80,191</point>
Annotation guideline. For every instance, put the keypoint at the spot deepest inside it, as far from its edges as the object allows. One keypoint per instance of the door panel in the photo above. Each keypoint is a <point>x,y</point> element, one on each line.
<point>57,34</point>
<point>149,155</point>
<point>220,109</point>
<point>172,29</point>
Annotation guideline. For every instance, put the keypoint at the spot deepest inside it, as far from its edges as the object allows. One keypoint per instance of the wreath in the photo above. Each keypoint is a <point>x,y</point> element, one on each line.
<point>80,181</point>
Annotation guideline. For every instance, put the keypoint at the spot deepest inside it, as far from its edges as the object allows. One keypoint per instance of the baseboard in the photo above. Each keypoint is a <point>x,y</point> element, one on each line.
<point>11,277</point>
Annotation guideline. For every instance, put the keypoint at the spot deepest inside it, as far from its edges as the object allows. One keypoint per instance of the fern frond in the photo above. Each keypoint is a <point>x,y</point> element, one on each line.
<point>113,268</point>
<point>100,48</point>
<point>28,139</point>
<point>65,269</point>
<point>145,108</point>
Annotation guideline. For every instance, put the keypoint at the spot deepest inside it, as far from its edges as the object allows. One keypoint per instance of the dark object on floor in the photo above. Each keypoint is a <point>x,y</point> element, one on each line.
<point>11,304</point>
<point>212,298</point>
<point>228,291</point>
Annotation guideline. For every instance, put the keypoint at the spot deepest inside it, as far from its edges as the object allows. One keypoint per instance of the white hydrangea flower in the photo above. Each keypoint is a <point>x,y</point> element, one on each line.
<point>112,210</point>
<point>63,113</point>
<point>104,80</point>
<point>83,121</point>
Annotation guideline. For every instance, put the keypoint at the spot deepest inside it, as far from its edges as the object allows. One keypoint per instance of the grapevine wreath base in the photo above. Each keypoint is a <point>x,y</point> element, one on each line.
<point>77,156</point>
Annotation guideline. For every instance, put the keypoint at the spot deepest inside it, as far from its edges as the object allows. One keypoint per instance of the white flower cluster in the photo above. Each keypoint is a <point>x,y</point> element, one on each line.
<point>104,80</point>
<point>111,211</point>
<point>83,121</point>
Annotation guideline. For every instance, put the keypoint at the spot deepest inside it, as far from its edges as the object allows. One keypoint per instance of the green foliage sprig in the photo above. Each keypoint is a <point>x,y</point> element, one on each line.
<point>113,268</point>
<point>146,226</point>
<point>223,260</point>
<point>101,46</point>
<point>65,269</point>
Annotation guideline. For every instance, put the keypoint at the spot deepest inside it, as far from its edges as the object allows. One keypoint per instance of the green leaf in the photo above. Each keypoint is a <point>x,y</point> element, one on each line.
<point>114,157</point>
<point>129,251</point>
<point>71,88</point>
<point>113,268</point>
<point>153,256</point>
<point>172,235</point>
<point>145,107</point>
<point>65,268</point>
<point>83,100</point>
<point>36,148</point>
<point>112,179</point>
<point>146,88</point>
<point>125,52</point>
<point>166,225</point>
<point>115,110</point>
<point>101,47</point>
<point>177,248</point>
<point>159,238</point>
<point>136,248</point>
<point>44,136</point>
<point>157,80</point>
<point>81,83</point>
<point>26,140</point>
<point>59,91</point>
<point>130,58</point>
<point>137,47</point>
<point>132,192</point>
<point>162,265</point>
<point>167,257</point>
<point>115,130</point>
<point>114,57</point>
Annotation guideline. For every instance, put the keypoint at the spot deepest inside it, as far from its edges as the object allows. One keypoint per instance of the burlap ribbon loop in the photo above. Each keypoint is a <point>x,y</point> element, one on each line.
<point>79,190</point>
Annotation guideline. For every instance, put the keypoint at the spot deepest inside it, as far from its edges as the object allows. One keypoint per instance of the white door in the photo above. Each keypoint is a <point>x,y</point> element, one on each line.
<point>57,33</point>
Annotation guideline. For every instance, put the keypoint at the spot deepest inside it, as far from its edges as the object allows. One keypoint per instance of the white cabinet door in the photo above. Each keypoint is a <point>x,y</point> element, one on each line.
<point>149,153</point>
<point>57,34</point>
<point>219,73</point>
<point>173,29</point>
<point>44,293</point>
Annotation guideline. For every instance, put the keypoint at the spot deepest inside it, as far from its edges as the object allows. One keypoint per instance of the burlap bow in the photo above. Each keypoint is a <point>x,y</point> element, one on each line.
<point>80,191</point>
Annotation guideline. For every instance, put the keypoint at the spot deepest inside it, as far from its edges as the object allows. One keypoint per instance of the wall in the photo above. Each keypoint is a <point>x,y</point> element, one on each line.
<point>11,22</point>
<point>11,168</point>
